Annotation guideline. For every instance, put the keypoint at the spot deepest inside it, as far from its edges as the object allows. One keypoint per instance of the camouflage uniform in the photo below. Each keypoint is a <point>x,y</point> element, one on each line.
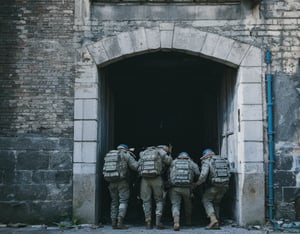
<point>154,186</point>
<point>213,194</point>
<point>120,192</point>
<point>178,192</point>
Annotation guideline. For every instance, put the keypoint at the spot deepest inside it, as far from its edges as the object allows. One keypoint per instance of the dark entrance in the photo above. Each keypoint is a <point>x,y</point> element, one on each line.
<point>162,98</point>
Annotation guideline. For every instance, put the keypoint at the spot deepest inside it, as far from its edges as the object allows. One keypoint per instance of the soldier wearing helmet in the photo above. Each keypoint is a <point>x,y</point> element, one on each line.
<point>152,163</point>
<point>215,187</point>
<point>119,190</point>
<point>183,170</point>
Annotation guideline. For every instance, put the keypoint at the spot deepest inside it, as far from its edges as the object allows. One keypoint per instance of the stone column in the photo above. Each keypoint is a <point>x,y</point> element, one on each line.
<point>85,140</point>
<point>250,201</point>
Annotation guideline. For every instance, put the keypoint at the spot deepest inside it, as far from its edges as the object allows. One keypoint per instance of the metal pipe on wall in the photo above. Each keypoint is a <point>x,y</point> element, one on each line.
<point>268,79</point>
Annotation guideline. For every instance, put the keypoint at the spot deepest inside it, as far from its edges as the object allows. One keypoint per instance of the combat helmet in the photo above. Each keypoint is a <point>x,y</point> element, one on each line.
<point>184,154</point>
<point>122,146</point>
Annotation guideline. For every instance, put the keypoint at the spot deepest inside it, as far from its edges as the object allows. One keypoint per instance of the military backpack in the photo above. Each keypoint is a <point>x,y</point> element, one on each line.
<point>150,163</point>
<point>219,171</point>
<point>181,172</point>
<point>115,166</point>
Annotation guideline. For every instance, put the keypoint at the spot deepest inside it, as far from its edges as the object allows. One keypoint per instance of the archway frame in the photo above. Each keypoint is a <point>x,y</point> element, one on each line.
<point>248,114</point>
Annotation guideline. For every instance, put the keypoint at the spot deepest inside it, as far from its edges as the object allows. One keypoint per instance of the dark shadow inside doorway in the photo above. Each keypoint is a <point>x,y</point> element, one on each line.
<point>164,98</point>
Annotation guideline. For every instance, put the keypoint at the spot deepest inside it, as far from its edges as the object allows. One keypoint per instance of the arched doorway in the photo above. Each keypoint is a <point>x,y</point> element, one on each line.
<point>165,98</point>
<point>239,114</point>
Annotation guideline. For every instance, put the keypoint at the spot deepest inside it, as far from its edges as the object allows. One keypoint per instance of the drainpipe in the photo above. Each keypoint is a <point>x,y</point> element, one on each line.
<point>268,78</point>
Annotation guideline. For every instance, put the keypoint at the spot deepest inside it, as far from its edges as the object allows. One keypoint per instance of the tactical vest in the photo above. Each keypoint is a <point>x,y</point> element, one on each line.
<point>219,171</point>
<point>181,172</point>
<point>115,166</point>
<point>150,163</point>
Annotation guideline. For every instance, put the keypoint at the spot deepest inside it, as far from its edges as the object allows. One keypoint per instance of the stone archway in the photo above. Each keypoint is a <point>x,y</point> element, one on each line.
<point>248,110</point>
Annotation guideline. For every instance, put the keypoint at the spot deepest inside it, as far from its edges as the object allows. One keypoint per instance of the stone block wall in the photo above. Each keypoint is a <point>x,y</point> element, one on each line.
<point>36,110</point>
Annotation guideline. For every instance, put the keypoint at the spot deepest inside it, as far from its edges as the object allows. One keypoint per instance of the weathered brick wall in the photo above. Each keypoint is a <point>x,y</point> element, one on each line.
<point>36,110</point>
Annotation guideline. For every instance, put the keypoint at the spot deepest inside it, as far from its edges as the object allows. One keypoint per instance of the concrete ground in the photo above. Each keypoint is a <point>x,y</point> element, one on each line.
<point>86,229</point>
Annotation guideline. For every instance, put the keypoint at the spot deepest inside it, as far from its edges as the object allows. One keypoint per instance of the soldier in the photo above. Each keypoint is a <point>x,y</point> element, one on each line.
<point>151,164</point>
<point>215,172</point>
<point>115,171</point>
<point>182,173</point>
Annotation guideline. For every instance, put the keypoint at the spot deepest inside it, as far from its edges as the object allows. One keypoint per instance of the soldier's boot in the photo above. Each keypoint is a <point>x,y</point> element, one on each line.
<point>214,223</point>
<point>120,224</point>
<point>176,223</point>
<point>159,224</point>
<point>114,224</point>
<point>148,223</point>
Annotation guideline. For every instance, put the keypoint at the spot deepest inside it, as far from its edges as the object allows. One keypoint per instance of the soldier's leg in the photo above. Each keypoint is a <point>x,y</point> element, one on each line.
<point>207,200</point>
<point>187,206</point>
<point>114,194</point>
<point>157,185</point>
<point>219,195</point>
<point>146,194</point>
<point>124,194</point>
<point>175,198</point>
<point>217,210</point>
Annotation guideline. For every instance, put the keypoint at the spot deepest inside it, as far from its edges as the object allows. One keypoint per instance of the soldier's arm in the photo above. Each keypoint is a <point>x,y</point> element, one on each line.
<point>196,169</point>
<point>132,163</point>
<point>165,157</point>
<point>203,174</point>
